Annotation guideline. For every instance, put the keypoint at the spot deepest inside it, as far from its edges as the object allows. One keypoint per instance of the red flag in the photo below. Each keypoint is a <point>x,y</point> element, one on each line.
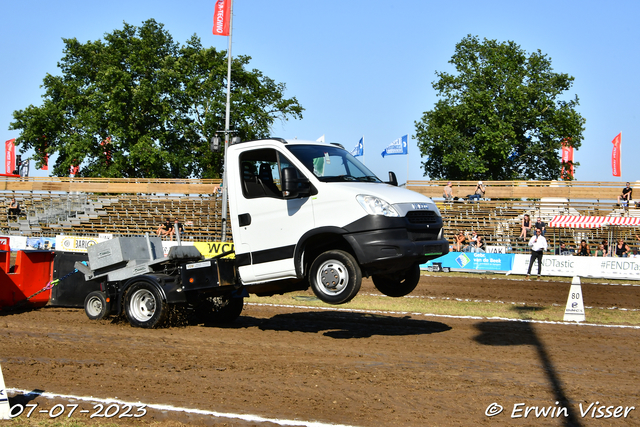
<point>73,170</point>
<point>615,155</point>
<point>45,165</point>
<point>9,156</point>
<point>567,158</point>
<point>107,150</point>
<point>222,18</point>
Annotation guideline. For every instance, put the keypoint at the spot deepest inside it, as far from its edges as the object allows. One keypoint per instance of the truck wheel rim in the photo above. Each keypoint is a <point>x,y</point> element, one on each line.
<point>332,277</point>
<point>143,305</point>
<point>94,307</point>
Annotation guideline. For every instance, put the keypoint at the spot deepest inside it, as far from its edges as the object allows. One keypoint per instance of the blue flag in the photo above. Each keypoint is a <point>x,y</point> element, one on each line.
<point>359,149</point>
<point>399,146</point>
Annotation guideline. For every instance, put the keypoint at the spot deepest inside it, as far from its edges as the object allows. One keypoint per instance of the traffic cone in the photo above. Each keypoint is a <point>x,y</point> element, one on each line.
<point>574,312</point>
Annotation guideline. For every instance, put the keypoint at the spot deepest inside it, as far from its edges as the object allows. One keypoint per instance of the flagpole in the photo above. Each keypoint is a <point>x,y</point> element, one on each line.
<point>226,133</point>
<point>363,162</point>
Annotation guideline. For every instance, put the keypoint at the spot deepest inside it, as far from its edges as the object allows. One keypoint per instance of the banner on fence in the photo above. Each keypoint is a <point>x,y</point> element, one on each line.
<point>474,261</point>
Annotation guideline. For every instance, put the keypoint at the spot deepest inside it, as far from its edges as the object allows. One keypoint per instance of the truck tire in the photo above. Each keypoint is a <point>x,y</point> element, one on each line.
<point>335,277</point>
<point>398,284</point>
<point>144,306</point>
<point>96,306</point>
<point>222,309</point>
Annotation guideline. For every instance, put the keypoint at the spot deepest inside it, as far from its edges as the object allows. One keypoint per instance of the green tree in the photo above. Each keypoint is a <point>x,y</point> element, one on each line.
<point>137,104</point>
<point>500,117</point>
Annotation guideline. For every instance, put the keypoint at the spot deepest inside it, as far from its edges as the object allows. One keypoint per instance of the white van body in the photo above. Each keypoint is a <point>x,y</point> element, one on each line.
<point>337,204</point>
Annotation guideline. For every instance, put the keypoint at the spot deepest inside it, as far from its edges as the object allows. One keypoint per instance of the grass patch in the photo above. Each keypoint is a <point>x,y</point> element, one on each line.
<point>453,307</point>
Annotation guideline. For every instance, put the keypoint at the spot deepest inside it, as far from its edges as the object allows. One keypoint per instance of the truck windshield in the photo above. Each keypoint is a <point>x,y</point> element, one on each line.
<point>332,164</point>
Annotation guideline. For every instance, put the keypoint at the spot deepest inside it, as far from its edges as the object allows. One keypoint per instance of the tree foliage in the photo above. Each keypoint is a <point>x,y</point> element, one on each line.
<point>500,117</point>
<point>137,104</point>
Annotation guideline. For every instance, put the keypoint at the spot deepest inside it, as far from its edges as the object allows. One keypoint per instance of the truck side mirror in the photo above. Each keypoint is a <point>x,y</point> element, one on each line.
<point>292,186</point>
<point>392,179</point>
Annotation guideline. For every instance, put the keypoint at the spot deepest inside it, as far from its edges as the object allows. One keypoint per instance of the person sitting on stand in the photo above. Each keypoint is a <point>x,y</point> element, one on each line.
<point>479,245</point>
<point>541,225</point>
<point>626,196</point>
<point>448,192</point>
<point>478,193</point>
<point>583,249</point>
<point>621,249</point>
<point>14,209</point>
<point>563,250</point>
<point>601,251</point>
<point>525,226</point>
<point>177,228</point>
<point>460,240</point>
<point>164,229</point>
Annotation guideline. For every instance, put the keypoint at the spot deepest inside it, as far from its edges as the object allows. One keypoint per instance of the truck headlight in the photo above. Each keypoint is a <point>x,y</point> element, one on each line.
<point>376,206</point>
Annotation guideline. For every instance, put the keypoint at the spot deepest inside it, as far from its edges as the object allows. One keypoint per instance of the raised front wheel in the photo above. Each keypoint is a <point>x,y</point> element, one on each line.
<point>398,284</point>
<point>335,277</point>
<point>144,306</point>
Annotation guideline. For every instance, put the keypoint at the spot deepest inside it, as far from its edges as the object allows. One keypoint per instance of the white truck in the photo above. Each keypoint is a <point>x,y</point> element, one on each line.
<point>303,214</point>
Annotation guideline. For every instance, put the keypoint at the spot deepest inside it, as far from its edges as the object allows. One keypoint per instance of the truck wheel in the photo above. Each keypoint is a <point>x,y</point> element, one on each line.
<point>223,309</point>
<point>335,277</point>
<point>398,284</point>
<point>96,305</point>
<point>144,306</point>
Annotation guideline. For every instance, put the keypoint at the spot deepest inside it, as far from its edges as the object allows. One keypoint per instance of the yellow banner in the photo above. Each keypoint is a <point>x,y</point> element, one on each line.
<point>211,249</point>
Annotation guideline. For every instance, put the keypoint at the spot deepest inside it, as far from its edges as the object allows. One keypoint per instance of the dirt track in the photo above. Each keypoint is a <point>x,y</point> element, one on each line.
<point>341,367</point>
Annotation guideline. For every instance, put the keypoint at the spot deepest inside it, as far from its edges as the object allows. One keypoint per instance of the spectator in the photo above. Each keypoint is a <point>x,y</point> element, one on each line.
<point>583,249</point>
<point>525,226</point>
<point>634,253</point>
<point>621,249</point>
<point>541,225</point>
<point>601,251</point>
<point>478,193</point>
<point>626,195</point>
<point>448,192</point>
<point>538,245</point>
<point>177,228</point>
<point>479,245</point>
<point>164,229</point>
<point>563,250</point>
<point>14,209</point>
<point>605,244</point>
<point>460,241</point>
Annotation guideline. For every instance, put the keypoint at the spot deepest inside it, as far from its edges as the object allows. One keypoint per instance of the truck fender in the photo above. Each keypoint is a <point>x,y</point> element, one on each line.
<point>167,285</point>
<point>332,238</point>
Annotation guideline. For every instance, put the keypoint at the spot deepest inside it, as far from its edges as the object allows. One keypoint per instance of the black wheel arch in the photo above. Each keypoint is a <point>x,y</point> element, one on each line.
<point>316,241</point>
<point>166,285</point>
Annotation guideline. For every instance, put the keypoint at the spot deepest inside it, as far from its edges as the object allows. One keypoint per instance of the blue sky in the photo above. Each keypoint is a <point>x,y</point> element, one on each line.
<point>363,67</point>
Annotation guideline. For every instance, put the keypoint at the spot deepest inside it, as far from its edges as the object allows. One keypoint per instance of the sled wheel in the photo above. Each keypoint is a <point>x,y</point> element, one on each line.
<point>144,306</point>
<point>96,306</point>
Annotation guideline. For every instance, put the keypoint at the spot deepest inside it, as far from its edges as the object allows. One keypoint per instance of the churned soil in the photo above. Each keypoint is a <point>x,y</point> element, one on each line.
<point>340,367</point>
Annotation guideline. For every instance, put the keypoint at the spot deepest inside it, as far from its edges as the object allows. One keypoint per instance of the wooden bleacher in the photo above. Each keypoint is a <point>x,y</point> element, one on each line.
<point>136,206</point>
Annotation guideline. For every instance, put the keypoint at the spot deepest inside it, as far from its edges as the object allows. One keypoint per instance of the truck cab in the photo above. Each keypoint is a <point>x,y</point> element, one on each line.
<point>307,213</point>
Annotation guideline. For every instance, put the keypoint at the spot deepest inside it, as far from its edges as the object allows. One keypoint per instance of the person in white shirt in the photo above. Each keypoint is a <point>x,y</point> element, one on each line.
<point>538,245</point>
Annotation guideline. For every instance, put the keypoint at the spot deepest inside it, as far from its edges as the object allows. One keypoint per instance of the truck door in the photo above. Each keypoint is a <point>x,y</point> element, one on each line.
<point>269,227</point>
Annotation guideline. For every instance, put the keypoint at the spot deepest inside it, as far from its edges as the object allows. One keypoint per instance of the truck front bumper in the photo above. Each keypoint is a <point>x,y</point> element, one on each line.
<point>389,250</point>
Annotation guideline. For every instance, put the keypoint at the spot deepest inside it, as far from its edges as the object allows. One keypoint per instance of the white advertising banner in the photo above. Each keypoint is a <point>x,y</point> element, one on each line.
<point>569,266</point>
<point>75,243</point>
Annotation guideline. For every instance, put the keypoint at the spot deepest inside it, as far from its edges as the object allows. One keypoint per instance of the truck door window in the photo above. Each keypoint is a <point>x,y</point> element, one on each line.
<point>260,171</point>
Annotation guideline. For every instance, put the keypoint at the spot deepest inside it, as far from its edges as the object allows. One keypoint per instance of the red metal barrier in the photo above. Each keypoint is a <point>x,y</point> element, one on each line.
<point>31,272</point>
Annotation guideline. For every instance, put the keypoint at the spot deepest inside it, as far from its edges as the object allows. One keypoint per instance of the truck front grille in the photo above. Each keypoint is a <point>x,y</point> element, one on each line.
<point>422,217</point>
